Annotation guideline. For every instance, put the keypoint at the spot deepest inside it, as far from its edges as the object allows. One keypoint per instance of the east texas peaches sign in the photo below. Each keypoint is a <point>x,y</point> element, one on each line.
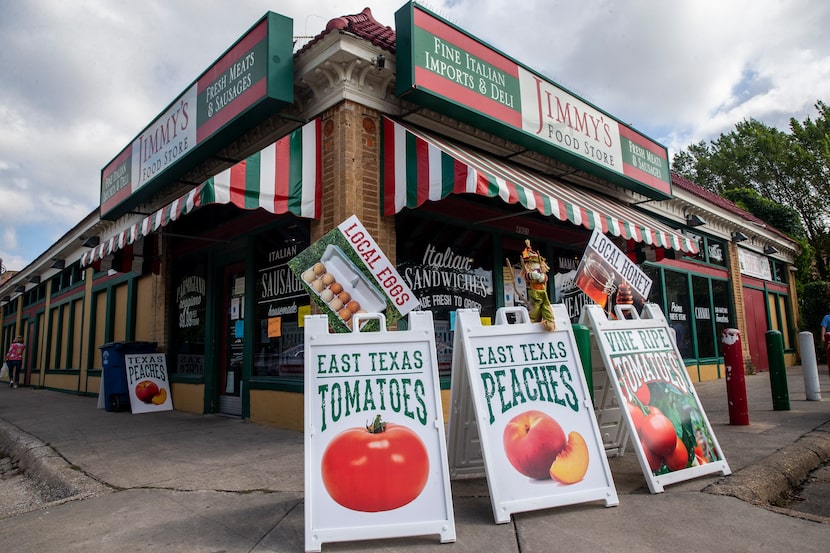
<point>539,437</point>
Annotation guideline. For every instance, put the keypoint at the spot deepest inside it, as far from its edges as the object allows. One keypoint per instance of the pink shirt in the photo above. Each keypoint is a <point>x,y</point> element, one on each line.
<point>15,352</point>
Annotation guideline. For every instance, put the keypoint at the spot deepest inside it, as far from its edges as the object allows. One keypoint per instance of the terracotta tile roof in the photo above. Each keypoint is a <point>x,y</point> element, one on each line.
<point>723,203</point>
<point>363,25</point>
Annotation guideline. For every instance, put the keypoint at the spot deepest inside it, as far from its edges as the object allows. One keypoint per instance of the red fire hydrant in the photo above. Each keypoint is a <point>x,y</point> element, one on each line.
<point>733,359</point>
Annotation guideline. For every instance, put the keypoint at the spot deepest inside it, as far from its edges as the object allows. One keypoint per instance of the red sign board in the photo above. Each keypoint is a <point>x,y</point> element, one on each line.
<point>256,72</point>
<point>448,70</point>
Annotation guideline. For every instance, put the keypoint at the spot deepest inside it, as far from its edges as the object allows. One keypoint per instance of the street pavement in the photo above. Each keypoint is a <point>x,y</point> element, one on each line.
<point>178,482</point>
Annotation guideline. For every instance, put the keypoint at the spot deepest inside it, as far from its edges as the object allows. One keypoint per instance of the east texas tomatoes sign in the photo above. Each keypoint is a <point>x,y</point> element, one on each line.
<point>375,455</point>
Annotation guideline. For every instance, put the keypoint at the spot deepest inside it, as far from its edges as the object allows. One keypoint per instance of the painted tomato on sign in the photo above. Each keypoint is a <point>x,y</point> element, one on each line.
<point>380,467</point>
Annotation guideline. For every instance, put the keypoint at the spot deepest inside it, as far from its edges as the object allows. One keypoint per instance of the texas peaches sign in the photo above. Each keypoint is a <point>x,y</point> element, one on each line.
<point>445,68</point>
<point>254,70</point>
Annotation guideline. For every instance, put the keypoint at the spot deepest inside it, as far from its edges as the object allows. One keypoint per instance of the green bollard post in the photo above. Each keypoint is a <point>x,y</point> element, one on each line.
<point>582,335</point>
<point>777,371</point>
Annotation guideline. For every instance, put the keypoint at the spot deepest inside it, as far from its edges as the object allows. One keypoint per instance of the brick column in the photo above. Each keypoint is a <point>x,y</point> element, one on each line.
<point>736,283</point>
<point>351,163</point>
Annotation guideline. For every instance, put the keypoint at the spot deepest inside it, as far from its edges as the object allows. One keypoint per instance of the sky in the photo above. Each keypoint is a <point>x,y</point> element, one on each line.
<point>80,79</point>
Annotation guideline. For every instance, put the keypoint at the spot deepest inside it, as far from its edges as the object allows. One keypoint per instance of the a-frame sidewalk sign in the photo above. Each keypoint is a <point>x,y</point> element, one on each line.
<point>519,391</point>
<point>375,447</point>
<point>669,430</point>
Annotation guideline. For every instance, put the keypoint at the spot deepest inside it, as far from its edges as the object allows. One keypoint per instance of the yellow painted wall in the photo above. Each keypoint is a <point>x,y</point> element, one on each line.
<point>61,381</point>
<point>54,345</point>
<point>100,327</point>
<point>707,372</point>
<point>144,317</point>
<point>61,361</point>
<point>119,327</point>
<point>188,397</point>
<point>280,409</point>
<point>77,334</point>
<point>445,403</point>
<point>93,385</point>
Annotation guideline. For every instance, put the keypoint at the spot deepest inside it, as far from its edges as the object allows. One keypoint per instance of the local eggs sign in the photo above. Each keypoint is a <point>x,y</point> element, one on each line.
<point>347,274</point>
<point>539,437</point>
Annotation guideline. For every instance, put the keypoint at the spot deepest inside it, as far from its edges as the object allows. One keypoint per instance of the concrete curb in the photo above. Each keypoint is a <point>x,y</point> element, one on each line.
<point>43,464</point>
<point>774,476</point>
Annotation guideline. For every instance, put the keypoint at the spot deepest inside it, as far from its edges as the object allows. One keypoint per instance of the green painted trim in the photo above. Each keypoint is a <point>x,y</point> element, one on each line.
<point>186,379</point>
<point>210,399</point>
<point>273,384</point>
<point>250,318</point>
<point>70,392</point>
<point>47,342</point>
<point>109,318</point>
<point>70,335</point>
<point>132,304</point>
<point>62,371</point>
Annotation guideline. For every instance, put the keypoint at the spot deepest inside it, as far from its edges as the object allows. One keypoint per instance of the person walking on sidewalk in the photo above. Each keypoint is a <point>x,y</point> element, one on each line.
<point>14,359</point>
<point>825,325</point>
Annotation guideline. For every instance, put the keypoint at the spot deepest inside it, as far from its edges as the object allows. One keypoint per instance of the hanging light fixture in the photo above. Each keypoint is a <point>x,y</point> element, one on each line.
<point>693,220</point>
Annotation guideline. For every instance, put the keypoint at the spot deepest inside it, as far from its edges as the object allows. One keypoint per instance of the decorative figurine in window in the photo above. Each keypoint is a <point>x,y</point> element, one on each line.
<point>535,270</point>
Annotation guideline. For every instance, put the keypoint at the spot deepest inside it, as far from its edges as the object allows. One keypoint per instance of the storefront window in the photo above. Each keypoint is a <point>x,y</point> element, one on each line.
<point>656,294</point>
<point>279,346</point>
<point>709,316</point>
<point>715,252</point>
<point>778,273</point>
<point>703,317</point>
<point>678,311</point>
<point>448,268</point>
<point>720,303</point>
<point>190,320</point>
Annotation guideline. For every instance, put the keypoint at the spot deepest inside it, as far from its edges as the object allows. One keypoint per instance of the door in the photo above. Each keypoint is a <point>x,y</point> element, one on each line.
<point>232,340</point>
<point>756,327</point>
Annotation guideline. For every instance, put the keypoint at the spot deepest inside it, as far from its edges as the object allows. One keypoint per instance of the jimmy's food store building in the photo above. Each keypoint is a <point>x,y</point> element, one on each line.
<point>450,166</point>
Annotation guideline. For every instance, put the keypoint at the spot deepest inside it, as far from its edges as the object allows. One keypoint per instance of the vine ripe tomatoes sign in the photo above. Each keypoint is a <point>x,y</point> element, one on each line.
<point>671,434</point>
<point>540,441</point>
<point>375,450</point>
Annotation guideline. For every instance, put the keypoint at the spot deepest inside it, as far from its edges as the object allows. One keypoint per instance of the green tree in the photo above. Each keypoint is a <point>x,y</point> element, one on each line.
<point>790,169</point>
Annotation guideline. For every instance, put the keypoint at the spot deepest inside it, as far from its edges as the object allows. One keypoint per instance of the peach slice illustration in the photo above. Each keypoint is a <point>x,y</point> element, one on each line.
<point>571,464</point>
<point>160,397</point>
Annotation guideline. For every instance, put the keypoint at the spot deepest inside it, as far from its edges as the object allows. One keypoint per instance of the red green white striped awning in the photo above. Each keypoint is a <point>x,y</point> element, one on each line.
<point>420,166</point>
<point>284,177</point>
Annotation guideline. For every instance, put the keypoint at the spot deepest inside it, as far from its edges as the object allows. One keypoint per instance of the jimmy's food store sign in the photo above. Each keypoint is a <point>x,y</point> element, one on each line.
<point>254,77</point>
<point>444,68</point>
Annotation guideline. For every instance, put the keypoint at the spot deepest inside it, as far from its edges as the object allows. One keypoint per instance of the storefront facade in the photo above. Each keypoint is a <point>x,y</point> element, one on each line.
<point>450,200</point>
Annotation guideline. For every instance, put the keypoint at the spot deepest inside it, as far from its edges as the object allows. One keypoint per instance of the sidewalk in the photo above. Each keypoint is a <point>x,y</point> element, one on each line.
<point>175,481</point>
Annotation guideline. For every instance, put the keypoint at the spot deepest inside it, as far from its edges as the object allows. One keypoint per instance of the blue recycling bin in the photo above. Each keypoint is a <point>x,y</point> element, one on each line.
<point>114,371</point>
